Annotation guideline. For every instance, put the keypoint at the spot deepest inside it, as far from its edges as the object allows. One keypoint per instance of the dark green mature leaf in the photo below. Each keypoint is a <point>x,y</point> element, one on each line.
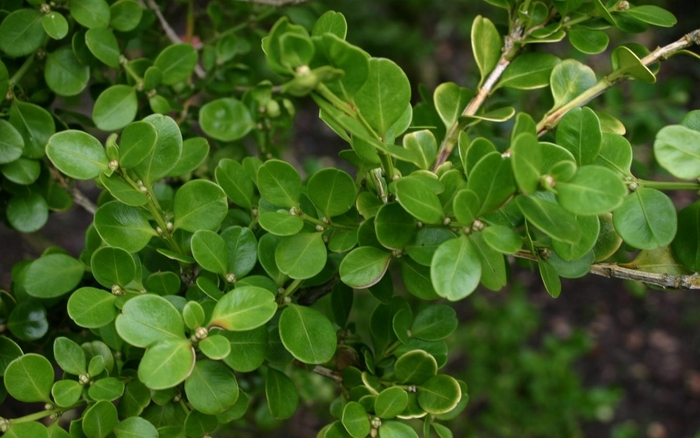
<point>677,149</point>
<point>52,275</point>
<point>77,154</point>
<point>212,387</point>
<point>199,205</point>
<point>301,256</point>
<point>63,72</point>
<point>434,323</point>
<point>486,46</point>
<point>225,119</point>
<point>21,32</point>
<point>11,143</point>
<point>440,394</point>
<point>396,429</point>
<point>590,229</point>
<point>615,153</point>
<point>528,71</point>
<point>415,367</point>
<point>32,429</point>
<point>149,319</point>
<point>103,44</point>
<point>550,217</point>
<point>244,308</point>
<point>242,250</point>
<point>686,243</point>
<point>492,181</point>
<point>167,363</point>
<point>493,266</point>
<point>27,213</point>
<point>210,251</point>
<point>569,79</point>
<point>69,356</point>
<point>580,133</point>
<point>125,15</point>
<point>115,107</point>
<point>384,96</point>
<point>29,378</point>
<point>137,141</point>
<point>112,266</point>
<point>90,13</point>
<point>364,266</point>
<point>332,191</point>
<point>307,334</point>
<point>135,427</point>
<point>248,349</point>
<point>22,171</point>
<point>395,228</point>
<point>35,124</point>
<point>282,396</point>
<point>588,41</point>
<point>593,190</point>
<point>455,269</point>
<point>176,62</point>
<point>9,351</point>
<point>237,184</point>
<point>92,308</point>
<point>526,158</point>
<point>109,388</point>
<point>653,15</point>
<point>280,223</point>
<point>194,152</point>
<point>165,154</point>
<point>355,420</point>
<point>450,100</point>
<point>27,321</point>
<point>417,280</point>
<point>390,402</point>
<point>646,219</point>
<point>99,419</point>
<point>419,199</point>
<point>123,226</point>
<point>279,183</point>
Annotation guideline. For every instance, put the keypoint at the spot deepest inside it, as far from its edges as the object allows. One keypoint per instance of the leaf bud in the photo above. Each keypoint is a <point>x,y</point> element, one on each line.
<point>117,290</point>
<point>376,422</point>
<point>412,388</point>
<point>4,425</point>
<point>477,225</point>
<point>230,278</point>
<point>160,232</point>
<point>633,186</point>
<point>623,6</point>
<point>303,70</point>
<point>114,165</point>
<point>446,221</point>
<point>45,9</point>
<point>48,406</point>
<point>419,225</point>
<point>325,220</point>
<point>84,379</point>
<point>169,226</point>
<point>320,227</point>
<point>201,333</point>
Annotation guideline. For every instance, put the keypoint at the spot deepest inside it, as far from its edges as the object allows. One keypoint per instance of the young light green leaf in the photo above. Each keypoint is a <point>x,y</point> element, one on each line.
<point>528,71</point>
<point>215,347</point>
<point>455,269</point>
<point>588,41</point>
<point>244,308</point>
<point>486,46</point>
<point>237,184</point>
<point>355,420</point>
<point>450,100</point>
<point>569,79</point>
<point>364,267</point>
<point>112,266</point>
<point>331,22</point>
<point>166,153</point>
<point>69,356</point>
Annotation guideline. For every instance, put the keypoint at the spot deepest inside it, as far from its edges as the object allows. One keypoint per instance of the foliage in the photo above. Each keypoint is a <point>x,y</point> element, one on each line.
<point>193,301</point>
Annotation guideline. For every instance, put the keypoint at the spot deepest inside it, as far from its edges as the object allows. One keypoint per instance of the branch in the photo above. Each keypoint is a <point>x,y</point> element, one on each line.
<point>550,121</point>
<point>326,372</point>
<point>78,197</point>
<point>308,296</point>
<point>509,50</point>
<point>172,35</point>
<point>613,270</point>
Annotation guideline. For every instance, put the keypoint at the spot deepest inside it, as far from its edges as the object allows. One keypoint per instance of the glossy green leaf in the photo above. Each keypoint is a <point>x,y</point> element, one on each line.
<point>21,32</point>
<point>225,119</point>
<point>108,388</point>
<point>580,133</point>
<point>550,217</point>
<point>242,250</point>
<point>77,154</point>
<point>486,46</point>
<point>439,394</point>
<point>248,348</point>
<point>677,149</point>
<point>149,319</point>
<point>69,356</point>
<point>526,159</point>
<point>280,223</point>
<point>9,351</point>
<point>35,124</point>
<point>503,239</point>
<point>210,251</point>
<point>237,184</point>
<point>615,153</point>
<point>455,269</point>
<point>364,266</point>
<point>199,205</point>
<point>434,323</point>
<point>123,226</point>
<point>332,191</point>
<point>135,427</point>
<point>244,308</point>
<point>588,41</point>
<point>390,402</point>
<point>653,15</point>
<point>355,420</point>
<point>331,22</point>
<point>626,62</point>
<point>112,266</point>
<point>282,396</point>
<point>593,190</point>
<point>32,429</point>
<point>125,15</point>
<point>27,321</point>
<point>99,419</point>
<point>395,228</point>
<point>137,141</point>
<point>450,100</point>
<point>212,387</point>
<point>90,13</point>
<point>279,183</point>
<point>103,44</point>
<point>92,308</point>
<point>27,213</point>
<point>194,152</point>
<point>11,143</point>
<point>590,228</point>
<point>493,266</point>
<point>123,191</point>
<point>29,378</point>
<point>415,367</point>
<point>492,181</point>
<point>22,171</point>
<point>215,347</point>
<point>165,154</point>
<point>424,144</point>
<point>349,58</point>
<point>167,363</point>
<point>396,429</point>
<point>64,73</point>
<point>646,219</point>
<point>528,71</point>
<point>418,199</point>
<point>66,393</point>
<point>417,280</point>
<point>52,275</point>
<point>307,334</point>
<point>176,62</point>
<point>384,96</point>
<point>115,107</point>
<point>569,79</point>
<point>301,256</point>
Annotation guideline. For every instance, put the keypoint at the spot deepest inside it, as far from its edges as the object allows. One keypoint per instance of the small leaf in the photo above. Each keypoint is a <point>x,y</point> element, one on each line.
<point>90,13</point>
<point>434,323</point>
<point>450,100</point>
<point>135,427</point>
<point>282,396</point>
<point>307,334</point>
<point>123,226</point>
<point>244,308</point>
<point>242,250</point>
<point>528,71</point>
<point>215,347</point>
<point>415,367</point>
<point>355,420</point>
<point>11,143</point>
<point>550,217</point>
<point>27,213</point>
<point>423,143</point>
<point>149,319</point>
<point>176,62</point>
<point>66,393</point>
<point>390,402</point>
<point>125,15</point>
<point>225,119</point>
<point>53,275</point>
<point>569,79</point>
<point>199,205</point>
<point>137,141</point>
<point>396,429</point>
<point>103,44</point>
<point>588,41</point>
<point>115,108</point>
<point>593,190</point>
<point>210,251</point>
<point>417,198</point>
<point>112,266</point>
<point>386,93</point>
<point>64,73</point>
<point>92,308</point>
<point>486,45</point>
<point>301,256</point>
<point>550,278</point>
<point>109,388</point>
<point>194,152</point>
<point>236,183</point>
<point>167,363</point>
<point>526,158</point>
<point>677,149</point>
<point>212,387</point>
<point>35,124</point>
<point>77,154</point>
<point>440,394</point>
<point>166,153</point>
<point>21,32</point>
<point>279,183</point>
<point>364,267</point>
<point>625,61</point>
<point>69,356</point>
<point>580,133</point>
<point>455,269</point>
<point>653,15</point>
<point>646,219</point>
<point>332,191</point>
<point>395,228</point>
<point>248,349</point>
<point>686,243</point>
<point>29,378</point>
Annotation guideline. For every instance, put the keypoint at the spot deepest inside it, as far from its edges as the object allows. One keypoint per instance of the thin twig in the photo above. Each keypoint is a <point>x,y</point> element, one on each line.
<point>326,372</point>
<point>613,270</point>
<point>550,121</point>
<point>79,197</point>
<point>172,35</point>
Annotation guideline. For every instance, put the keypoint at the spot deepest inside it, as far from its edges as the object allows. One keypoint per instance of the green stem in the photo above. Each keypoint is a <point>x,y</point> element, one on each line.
<point>314,221</point>
<point>339,103</point>
<point>293,286</point>
<point>669,185</point>
<point>550,120</point>
<point>21,72</point>
<point>125,63</point>
<point>43,414</point>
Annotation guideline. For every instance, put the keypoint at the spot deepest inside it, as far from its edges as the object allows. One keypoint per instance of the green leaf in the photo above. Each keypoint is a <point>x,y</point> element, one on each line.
<point>307,334</point>
<point>136,397</point>
<point>282,396</point>
<point>248,349</point>
<point>390,402</point>
<point>212,387</point>
<point>32,429</point>
<point>493,267</point>
<point>194,152</point>
<point>77,154</point>
<point>395,228</point>
<point>103,44</point>
<point>137,141</point>
<point>279,183</point>
<point>66,393</point>
<point>646,219</point>
<point>415,367</point>
<point>242,250</point>
<point>526,158</point>
<point>615,154</point>
<point>210,251</point>
<point>21,32</point>
<point>225,119</point>
<point>115,107</point>
<point>593,190</point>
<point>396,429</point>
<point>123,191</point>
<point>455,269</point>
<point>27,213</point>
<point>109,388</point>
<point>569,79</point>
<point>166,363</point>
<point>9,351</point>
<point>440,394</point>
<point>22,171</point>
<point>503,239</point>
<point>486,45</point>
<point>193,315</point>
<point>215,347</point>
<point>332,191</point>
<point>280,223</point>
<point>90,13</point>
<point>149,319</point>
<point>590,229</point>
<point>528,71</point>
<point>135,427</point>
<point>244,308</point>
<point>112,266</point>
<point>165,154</point>
<point>424,145</point>
<point>176,62</point>
<point>417,280</point>
<point>125,15</point>
<point>550,217</point>
<point>63,72</point>
<point>625,61</point>
<point>35,124</point>
<point>29,378</point>
<point>434,323</point>
<point>69,356</point>
<point>92,308</point>
<point>653,15</point>
<point>333,23</point>
<point>588,41</point>
<point>384,96</point>
<point>450,100</point>
<point>419,199</point>
<point>99,419</point>
<point>364,267</point>
<point>580,133</point>
<point>686,243</point>
<point>11,143</point>
<point>52,275</point>
<point>199,205</point>
<point>355,420</point>
<point>237,184</point>
<point>123,226</point>
<point>27,321</point>
<point>492,181</point>
<point>199,424</point>
<point>677,149</point>
<point>301,256</point>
